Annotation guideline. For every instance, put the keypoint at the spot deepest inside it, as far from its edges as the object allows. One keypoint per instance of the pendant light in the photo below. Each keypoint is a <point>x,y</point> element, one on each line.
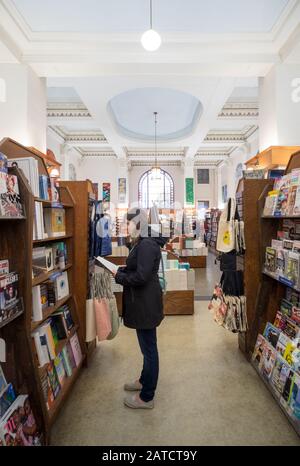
<point>155,172</point>
<point>151,40</point>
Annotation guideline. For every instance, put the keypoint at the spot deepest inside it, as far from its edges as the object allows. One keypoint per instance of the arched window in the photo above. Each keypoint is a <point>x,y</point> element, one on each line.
<point>156,189</point>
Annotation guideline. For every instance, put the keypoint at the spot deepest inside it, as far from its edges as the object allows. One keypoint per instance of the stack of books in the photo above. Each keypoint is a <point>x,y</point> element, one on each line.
<point>11,305</point>
<point>16,417</point>
<point>10,199</point>
<point>176,279</point>
<point>277,354</point>
<point>284,199</point>
<point>29,166</point>
<point>49,257</point>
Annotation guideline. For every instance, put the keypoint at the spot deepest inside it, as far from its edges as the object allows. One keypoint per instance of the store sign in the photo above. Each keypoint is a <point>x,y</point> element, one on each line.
<point>189,191</point>
<point>254,174</point>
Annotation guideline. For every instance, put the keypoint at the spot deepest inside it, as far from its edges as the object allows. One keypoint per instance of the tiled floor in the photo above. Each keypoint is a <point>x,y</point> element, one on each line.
<point>208,394</point>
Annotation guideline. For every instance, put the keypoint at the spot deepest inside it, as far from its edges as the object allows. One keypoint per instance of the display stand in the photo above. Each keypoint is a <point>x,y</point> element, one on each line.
<point>212,218</point>
<point>271,290</point>
<point>21,234</point>
<point>247,195</point>
<point>82,193</point>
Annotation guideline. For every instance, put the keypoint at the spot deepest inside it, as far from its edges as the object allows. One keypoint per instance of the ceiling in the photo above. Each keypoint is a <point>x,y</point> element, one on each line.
<point>102,16</point>
<point>103,87</point>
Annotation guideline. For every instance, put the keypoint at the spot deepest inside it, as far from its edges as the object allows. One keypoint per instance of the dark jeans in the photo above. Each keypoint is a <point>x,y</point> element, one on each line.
<point>148,344</point>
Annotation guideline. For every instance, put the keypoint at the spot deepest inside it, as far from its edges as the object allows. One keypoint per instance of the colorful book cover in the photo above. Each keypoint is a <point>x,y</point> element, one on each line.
<point>295,315</point>
<point>279,375</point>
<point>54,382</point>
<point>18,427</point>
<point>75,345</point>
<point>3,383</point>
<point>286,307</point>
<point>287,355</point>
<point>292,296</point>
<point>258,350</point>
<point>71,356</point>
<point>282,342</point>
<point>296,360</point>
<point>271,334</point>
<point>270,263</point>
<point>280,321</point>
<point>291,329</point>
<point>7,397</point>
<point>270,205</point>
<point>60,370</point>
<point>286,392</point>
<point>294,400</point>
<point>282,202</point>
<point>268,360</point>
<point>291,200</point>
<point>296,210</point>
<point>66,361</point>
<point>292,272</point>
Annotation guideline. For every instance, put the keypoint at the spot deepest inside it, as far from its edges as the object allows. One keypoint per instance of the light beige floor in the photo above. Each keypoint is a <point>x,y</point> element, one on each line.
<point>208,394</point>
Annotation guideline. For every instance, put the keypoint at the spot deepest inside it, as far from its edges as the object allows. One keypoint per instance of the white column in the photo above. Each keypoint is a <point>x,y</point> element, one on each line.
<point>23,106</point>
<point>65,150</point>
<point>219,201</point>
<point>279,102</point>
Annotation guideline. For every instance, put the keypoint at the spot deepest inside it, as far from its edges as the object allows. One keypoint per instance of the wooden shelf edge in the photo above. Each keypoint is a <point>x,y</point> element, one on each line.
<point>51,203</point>
<point>5,219</point>
<point>275,277</point>
<point>272,392</point>
<point>47,312</point>
<point>52,238</point>
<point>43,277</point>
<point>280,217</point>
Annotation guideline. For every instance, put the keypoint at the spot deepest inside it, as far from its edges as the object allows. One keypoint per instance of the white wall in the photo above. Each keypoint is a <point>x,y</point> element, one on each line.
<point>23,114</point>
<point>206,192</point>
<point>72,156</point>
<point>101,170</point>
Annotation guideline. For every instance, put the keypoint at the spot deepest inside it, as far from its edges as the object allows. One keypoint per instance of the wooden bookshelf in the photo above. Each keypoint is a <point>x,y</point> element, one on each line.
<point>50,310</point>
<point>271,290</point>
<point>83,195</point>
<point>45,276</point>
<point>23,365</point>
<point>247,195</point>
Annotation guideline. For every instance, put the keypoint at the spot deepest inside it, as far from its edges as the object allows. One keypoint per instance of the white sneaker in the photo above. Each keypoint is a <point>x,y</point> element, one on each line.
<point>134,402</point>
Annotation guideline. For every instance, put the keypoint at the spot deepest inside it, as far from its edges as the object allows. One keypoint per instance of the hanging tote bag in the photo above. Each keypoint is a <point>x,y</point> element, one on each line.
<point>103,322</point>
<point>226,230</point>
<point>90,321</point>
<point>114,318</point>
<point>218,306</point>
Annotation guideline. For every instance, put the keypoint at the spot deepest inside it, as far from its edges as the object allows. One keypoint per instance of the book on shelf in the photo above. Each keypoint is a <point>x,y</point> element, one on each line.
<point>4,267</point>
<point>55,224</point>
<point>3,173</point>
<point>292,296</point>
<point>268,360</point>
<point>39,228</point>
<point>66,361</point>
<point>76,349</point>
<point>39,261</point>
<point>282,202</point>
<point>18,426</point>
<point>7,397</point>
<point>294,398</point>
<point>279,376</point>
<point>59,285</point>
<point>270,261</point>
<point>54,382</point>
<point>9,290</point>
<point>282,342</point>
<point>12,311</point>
<point>29,166</point>
<point>271,334</point>
<point>47,390</point>
<point>60,369</point>
<point>43,187</point>
<point>261,342</point>
<point>292,271</point>
<point>3,382</point>
<point>11,205</point>
<point>296,209</point>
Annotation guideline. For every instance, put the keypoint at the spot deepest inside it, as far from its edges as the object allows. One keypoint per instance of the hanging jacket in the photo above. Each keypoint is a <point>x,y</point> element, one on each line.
<point>142,294</point>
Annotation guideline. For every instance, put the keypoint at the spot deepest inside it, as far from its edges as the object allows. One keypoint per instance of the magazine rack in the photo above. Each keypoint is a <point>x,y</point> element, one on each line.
<point>271,290</point>
<point>16,245</point>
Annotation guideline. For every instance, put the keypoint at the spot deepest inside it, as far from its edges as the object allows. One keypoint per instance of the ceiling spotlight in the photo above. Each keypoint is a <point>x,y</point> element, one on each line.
<point>151,40</point>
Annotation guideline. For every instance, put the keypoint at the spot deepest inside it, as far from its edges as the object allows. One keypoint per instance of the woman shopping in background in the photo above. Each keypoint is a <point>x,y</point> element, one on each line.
<point>142,304</point>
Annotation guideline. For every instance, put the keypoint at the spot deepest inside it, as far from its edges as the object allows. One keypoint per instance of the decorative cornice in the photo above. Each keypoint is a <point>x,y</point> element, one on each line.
<point>151,154</point>
<point>214,152</point>
<point>240,110</point>
<point>230,136</point>
<point>67,110</point>
<point>96,153</point>
<point>79,137</point>
<point>168,163</point>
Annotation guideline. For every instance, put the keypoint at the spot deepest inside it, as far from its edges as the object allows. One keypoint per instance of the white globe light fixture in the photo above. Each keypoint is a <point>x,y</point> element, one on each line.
<point>151,40</point>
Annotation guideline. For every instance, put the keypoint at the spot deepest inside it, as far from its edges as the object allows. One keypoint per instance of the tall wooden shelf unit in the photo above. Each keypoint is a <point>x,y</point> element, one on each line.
<point>82,192</point>
<point>271,290</point>
<point>247,195</point>
<point>21,233</point>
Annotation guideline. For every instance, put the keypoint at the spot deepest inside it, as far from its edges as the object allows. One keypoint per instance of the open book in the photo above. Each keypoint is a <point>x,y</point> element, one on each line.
<point>107,264</point>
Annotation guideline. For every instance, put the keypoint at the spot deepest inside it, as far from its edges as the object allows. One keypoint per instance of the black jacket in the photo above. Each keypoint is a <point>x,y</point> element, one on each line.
<point>142,295</point>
